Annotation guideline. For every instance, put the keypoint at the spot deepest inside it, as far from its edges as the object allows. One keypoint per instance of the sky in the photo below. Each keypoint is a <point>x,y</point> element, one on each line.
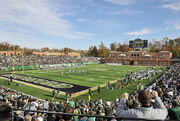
<point>78,24</point>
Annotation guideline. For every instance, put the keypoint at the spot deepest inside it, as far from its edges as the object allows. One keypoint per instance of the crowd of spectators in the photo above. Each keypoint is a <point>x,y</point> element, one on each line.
<point>159,101</point>
<point>135,77</point>
<point>29,60</point>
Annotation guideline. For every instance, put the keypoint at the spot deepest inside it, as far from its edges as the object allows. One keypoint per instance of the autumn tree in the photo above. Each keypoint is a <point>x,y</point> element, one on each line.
<point>5,46</point>
<point>165,48</point>
<point>45,49</point>
<point>113,46</point>
<point>67,50</point>
<point>95,51</point>
<point>55,50</point>
<point>90,51</point>
<point>103,51</point>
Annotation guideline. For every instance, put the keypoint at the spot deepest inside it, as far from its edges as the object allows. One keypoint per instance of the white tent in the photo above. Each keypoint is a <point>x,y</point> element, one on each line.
<point>122,55</point>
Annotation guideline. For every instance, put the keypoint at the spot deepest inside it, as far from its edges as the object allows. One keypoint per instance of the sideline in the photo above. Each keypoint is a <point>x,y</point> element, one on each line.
<point>32,85</point>
<point>63,93</point>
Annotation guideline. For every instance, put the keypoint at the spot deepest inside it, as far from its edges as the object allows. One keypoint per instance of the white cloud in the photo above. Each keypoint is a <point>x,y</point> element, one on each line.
<point>125,12</point>
<point>173,6</point>
<point>106,23</point>
<point>99,22</point>
<point>177,26</point>
<point>166,28</point>
<point>82,19</point>
<point>121,2</point>
<point>172,24</point>
<point>36,15</point>
<point>141,32</point>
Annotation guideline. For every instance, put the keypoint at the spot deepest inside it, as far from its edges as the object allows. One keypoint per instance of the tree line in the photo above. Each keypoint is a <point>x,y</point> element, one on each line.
<point>103,51</point>
<point>165,44</point>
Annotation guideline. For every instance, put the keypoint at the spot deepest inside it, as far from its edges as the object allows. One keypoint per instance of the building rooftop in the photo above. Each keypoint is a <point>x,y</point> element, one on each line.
<point>164,51</point>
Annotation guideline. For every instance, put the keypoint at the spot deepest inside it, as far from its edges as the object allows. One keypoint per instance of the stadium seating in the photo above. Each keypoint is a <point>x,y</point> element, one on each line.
<point>35,61</point>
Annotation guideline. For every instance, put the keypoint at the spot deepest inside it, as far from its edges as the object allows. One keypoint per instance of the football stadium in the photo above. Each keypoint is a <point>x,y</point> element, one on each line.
<point>89,60</point>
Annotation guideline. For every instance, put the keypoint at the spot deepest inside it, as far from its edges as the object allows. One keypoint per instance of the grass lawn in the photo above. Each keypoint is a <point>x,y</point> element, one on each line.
<point>95,75</point>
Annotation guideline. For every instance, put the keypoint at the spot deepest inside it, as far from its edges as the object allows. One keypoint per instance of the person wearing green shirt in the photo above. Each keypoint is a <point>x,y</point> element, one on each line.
<point>174,112</point>
<point>71,103</point>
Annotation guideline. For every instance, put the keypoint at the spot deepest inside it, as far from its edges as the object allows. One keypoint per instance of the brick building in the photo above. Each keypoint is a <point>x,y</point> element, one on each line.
<point>73,54</point>
<point>161,58</point>
<point>6,53</point>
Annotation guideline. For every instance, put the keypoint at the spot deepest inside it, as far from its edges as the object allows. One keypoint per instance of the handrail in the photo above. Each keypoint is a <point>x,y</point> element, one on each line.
<point>85,115</point>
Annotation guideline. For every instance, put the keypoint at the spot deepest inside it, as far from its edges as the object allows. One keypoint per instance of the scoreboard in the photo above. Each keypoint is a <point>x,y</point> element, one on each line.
<point>138,43</point>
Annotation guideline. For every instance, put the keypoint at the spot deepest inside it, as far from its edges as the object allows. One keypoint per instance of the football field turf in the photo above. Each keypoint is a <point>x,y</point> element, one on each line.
<point>95,74</point>
<point>86,76</point>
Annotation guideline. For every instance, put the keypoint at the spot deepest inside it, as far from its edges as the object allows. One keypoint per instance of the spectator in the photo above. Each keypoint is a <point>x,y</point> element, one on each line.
<point>34,117</point>
<point>5,112</point>
<point>108,109</point>
<point>145,111</point>
<point>68,117</point>
<point>60,106</point>
<point>27,117</point>
<point>71,103</point>
<point>46,105</point>
<point>34,105</point>
<point>51,105</point>
<point>174,112</point>
<point>51,117</point>
<point>18,116</point>
<point>20,103</point>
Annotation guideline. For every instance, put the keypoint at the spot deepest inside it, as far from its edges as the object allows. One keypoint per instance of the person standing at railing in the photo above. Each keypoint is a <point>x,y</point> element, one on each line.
<point>46,105</point>
<point>60,106</point>
<point>52,105</point>
<point>145,111</point>
<point>108,109</point>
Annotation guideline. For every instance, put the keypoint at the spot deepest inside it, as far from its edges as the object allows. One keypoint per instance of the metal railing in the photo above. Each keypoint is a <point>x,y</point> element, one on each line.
<point>85,115</point>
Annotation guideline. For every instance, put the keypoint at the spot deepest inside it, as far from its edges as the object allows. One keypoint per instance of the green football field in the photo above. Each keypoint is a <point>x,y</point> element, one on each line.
<point>95,75</point>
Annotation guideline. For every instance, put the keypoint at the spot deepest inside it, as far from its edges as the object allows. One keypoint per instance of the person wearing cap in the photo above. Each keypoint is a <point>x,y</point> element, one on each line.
<point>108,109</point>
<point>145,111</point>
